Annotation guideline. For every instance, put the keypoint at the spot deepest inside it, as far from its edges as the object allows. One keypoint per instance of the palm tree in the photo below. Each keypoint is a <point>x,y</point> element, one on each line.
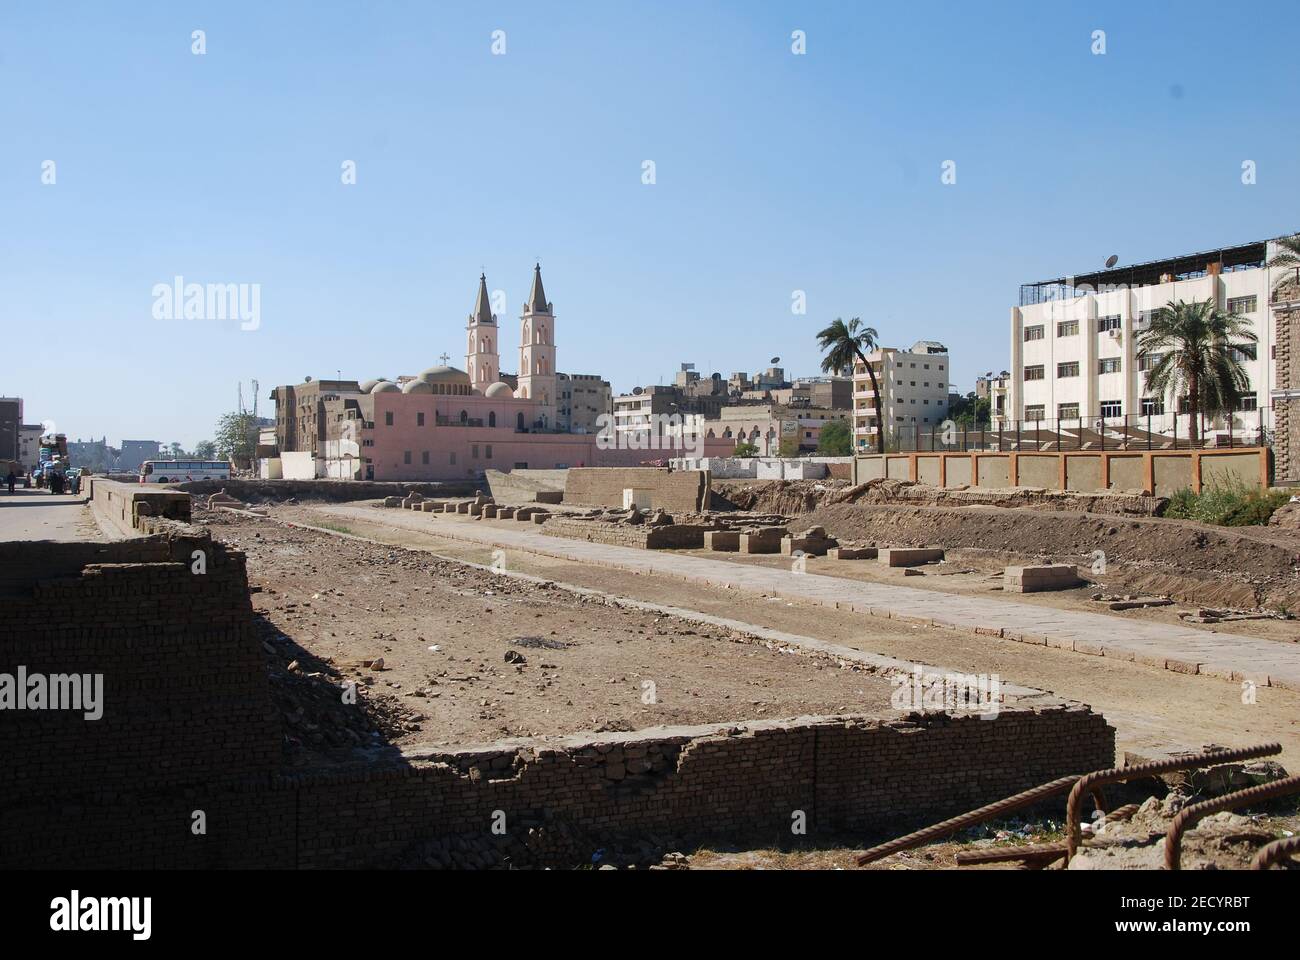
<point>1197,344</point>
<point>1287,258</point>
<point>847,343</point>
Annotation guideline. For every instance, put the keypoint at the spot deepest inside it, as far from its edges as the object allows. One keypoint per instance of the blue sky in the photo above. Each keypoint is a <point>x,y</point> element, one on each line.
<point>775,173</point>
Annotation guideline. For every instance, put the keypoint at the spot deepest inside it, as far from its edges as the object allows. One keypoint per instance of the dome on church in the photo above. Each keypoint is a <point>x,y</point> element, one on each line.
<point>417,386</point>
<point>368,385</point>
<point>443,374</point>
<point>385,386</point>
<point>500,389</point>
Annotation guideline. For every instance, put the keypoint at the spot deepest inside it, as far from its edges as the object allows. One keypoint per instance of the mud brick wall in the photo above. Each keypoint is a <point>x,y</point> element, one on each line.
<point>185,696</point>
<point>676,536</point>
<point>125,506</point>
<point>856,775</point>
<point>684,491</point>
<point>862,776</point>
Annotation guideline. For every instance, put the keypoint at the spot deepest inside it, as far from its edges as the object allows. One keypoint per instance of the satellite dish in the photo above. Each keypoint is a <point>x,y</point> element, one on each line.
<point>776,360</point>
<point>636,391</point>
<point>308,380</point>
<point>1112,260</point>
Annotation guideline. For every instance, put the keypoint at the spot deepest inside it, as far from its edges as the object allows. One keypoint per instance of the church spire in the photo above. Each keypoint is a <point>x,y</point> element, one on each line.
<point>537,297</point>
<point>482,306</point>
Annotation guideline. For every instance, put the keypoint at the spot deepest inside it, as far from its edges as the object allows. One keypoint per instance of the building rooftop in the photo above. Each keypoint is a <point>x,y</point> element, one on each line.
<point>1246,256</point>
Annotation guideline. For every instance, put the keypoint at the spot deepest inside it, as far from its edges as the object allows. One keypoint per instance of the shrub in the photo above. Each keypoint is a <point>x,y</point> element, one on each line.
<point>1227,505</point>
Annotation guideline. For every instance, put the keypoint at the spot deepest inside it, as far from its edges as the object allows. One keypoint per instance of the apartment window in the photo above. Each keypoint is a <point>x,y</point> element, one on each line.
<point>453,458</point>
<point>419,419</point>
<point>1109,365</point>
<point>474,452</point>
<point>1248,403</point>
<point>1152,406</point>
<point>1112,322</point>
<point>1070,369</point>
<point>1034,373</point>
<point>1145,317</point>
<point>1067,411</point>
<point>406,457</point>
<point>1112,408</point>
<point>1067,328</point>
<point>487,451</point>
<point>1246,351</point>
<point>1034,333</point>
<point>941,366</point>
<point>1148,361</point>
<point>926,366</point>
<point>1034,411</point>
<point>388,419</point>
<point>1242,304</point>
<point>424,458</point>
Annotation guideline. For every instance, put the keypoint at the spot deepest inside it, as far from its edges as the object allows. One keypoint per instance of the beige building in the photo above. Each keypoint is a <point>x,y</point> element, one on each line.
<point>914,394</point>
<point>584,397</point>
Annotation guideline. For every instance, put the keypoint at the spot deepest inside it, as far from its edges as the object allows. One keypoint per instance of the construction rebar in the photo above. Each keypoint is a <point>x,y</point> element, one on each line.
<point>1191,815</point>
<point>1025,799</point>
<point>1039,853</point>
<point>1274,852</point>
<point>1089,782</point>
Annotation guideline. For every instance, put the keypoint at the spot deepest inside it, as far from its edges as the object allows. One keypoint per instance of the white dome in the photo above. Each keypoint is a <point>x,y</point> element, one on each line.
<point>499,389</point>
<point>417,386</point>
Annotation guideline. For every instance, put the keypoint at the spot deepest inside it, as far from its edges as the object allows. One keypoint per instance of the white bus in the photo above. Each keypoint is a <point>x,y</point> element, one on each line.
<point>178,471</point>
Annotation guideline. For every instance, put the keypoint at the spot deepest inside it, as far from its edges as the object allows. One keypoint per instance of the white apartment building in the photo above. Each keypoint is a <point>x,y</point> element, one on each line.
<point>914,394</point>
<point>1074,353</point>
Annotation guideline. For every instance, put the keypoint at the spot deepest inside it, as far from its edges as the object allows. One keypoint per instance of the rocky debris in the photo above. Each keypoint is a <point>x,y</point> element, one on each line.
<point>1287,516</point>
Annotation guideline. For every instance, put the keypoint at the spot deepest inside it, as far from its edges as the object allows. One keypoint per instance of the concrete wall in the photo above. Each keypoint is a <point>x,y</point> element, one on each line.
<point>1158,472</point>
<point>674,491</point>
<point>767,468</point>
<point>296,465</point>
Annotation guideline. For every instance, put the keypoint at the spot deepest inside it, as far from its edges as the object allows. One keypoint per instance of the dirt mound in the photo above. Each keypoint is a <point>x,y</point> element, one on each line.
<point>1238,566</point>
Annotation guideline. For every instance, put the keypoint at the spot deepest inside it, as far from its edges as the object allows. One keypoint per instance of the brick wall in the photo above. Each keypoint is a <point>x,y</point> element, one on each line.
<point>185,696</point>
<point>677,536</point>
<point>675,491</point>
<point>852,775</point>
<point>1286,410</point>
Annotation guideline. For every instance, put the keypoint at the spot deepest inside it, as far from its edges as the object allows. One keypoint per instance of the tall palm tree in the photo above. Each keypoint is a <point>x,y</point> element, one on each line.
<point>1197,343</point>
<point>1287,258</point>
<point>844,344</point>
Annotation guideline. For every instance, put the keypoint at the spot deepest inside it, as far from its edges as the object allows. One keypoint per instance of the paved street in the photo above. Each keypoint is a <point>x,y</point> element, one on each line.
<point>1180,649</point>
<point>37,515</point>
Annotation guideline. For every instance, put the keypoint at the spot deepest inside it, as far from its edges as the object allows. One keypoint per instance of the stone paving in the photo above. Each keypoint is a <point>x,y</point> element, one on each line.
<point>1180,649</point>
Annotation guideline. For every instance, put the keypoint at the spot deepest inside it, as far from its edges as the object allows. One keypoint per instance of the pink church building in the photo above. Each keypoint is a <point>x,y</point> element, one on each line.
<point>445,423</point>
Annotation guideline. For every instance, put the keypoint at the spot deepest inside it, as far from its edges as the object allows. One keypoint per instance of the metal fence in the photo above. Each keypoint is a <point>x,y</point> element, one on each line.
<point>1137,432</point>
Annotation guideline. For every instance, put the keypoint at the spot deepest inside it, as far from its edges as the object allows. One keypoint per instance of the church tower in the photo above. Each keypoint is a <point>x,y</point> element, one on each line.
<point>482,362</point>
<point>537,379</point>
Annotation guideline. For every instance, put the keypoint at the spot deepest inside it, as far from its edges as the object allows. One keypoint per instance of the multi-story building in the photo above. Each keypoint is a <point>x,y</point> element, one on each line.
<point>913,394</point>
<point>11,421</point>
<point>584,398</point>
<point>773,428</point>
<point>29,445</point>
<point>1076,364</point>
<point>136,452</point>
